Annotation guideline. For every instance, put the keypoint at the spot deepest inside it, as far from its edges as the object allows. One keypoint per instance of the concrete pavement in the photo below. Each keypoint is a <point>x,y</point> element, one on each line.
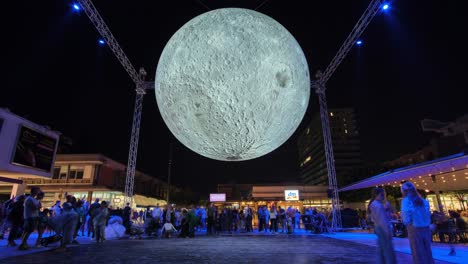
<point>301,247</point>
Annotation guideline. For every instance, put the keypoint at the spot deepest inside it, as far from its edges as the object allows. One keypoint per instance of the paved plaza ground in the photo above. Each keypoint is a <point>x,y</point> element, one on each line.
<point>238,248</point>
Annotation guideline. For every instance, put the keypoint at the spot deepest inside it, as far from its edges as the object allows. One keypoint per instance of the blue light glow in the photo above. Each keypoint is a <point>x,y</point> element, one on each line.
<point>359,42</point>
<point>101,42</point>
<point>385,6</point>
<point>76,7</point>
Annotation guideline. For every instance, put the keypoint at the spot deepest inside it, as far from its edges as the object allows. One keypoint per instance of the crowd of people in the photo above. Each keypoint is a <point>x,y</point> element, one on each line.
<point>214,220</point>
<point>63,222</point>
<point>24,214</point>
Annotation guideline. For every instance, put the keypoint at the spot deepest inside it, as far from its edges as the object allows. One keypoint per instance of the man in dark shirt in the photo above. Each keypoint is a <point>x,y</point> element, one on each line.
<point>126,217</point>
<point>282,218</point>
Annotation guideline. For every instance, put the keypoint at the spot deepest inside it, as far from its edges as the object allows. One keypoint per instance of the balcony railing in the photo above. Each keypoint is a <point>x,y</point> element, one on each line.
<point>56,181</point>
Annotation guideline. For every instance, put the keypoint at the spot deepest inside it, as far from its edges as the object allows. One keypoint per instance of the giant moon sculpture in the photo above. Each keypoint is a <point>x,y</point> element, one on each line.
<point>232,84</point>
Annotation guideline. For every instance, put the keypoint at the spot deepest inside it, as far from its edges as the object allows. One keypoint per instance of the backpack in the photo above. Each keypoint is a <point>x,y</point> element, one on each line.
<point>8,205</point>
<point>15,211</point>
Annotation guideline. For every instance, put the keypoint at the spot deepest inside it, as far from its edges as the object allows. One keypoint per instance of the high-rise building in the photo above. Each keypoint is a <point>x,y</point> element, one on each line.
<point>346,147</point>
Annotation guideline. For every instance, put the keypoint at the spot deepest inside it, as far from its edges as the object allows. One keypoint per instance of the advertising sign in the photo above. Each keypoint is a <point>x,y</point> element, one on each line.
<point>34,149</point>
<point>217,197</point>
<point>291,195</point>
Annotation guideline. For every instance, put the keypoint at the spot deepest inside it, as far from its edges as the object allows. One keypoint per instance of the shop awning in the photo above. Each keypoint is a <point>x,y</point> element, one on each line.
<point>144,201</point>
<point>443,174</point>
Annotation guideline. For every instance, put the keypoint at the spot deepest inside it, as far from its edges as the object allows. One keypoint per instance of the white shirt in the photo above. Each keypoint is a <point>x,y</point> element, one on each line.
<point>378,214</point>
<point>169,227</point>
<point>418,216</point>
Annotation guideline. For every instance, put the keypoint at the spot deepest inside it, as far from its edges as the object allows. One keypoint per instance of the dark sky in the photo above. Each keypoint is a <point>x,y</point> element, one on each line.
<point>412,66</point>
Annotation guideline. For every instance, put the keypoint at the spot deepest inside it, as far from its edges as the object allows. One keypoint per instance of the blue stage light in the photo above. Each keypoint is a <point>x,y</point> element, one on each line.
<point>76,7</point>
<point>359,42</point>
<point>385,7</point>
<point>101,42</point>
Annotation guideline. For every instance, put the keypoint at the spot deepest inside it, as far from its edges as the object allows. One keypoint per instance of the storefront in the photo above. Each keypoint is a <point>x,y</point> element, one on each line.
<point>267,195</point>
<point>91,176</point>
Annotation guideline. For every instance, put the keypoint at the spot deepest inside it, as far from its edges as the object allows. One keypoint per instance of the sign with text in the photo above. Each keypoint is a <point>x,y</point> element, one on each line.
<point>34,149</point>
<point>217,197</point>
<point>291,195</point>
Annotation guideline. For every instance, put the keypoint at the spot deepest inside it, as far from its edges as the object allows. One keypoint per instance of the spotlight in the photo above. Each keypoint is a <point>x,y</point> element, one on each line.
<point>76,7</point>
<point>359,42</point>
<point>101,42</point>
<point>385,7</point>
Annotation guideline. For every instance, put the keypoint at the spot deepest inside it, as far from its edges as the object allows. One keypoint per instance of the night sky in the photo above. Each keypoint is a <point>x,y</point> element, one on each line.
<point>411,66</point>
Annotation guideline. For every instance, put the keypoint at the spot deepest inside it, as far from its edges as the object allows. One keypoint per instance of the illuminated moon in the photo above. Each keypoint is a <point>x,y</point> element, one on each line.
<point>232,84</point>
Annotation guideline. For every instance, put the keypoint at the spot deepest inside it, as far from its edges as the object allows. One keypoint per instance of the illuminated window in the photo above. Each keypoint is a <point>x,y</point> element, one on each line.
<point>307,159</point>
<point>308,131</point>
<point>331,113</point>
<point>346,131</point>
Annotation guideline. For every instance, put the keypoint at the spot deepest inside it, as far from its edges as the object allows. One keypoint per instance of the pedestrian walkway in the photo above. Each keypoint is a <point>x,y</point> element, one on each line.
<point>439,250</point>
<point>6,251</point>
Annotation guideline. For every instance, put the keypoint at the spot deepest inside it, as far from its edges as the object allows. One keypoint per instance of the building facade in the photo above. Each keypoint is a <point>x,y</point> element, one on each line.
<point>91,176</point>
<point>346,147</point>
<point>255,195</point>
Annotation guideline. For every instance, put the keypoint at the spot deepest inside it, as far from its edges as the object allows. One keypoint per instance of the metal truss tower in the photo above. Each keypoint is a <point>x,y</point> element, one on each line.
<point>319,86</point>
<point>141,87</point>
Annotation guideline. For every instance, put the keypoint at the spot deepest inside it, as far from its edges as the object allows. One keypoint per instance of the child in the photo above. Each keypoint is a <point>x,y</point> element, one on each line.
<point>168,229</point>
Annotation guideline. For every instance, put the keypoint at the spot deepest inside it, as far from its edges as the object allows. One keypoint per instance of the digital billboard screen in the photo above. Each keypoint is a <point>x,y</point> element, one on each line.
<point>217,197</point>
<point>291,195</point>
<point>34,150</point>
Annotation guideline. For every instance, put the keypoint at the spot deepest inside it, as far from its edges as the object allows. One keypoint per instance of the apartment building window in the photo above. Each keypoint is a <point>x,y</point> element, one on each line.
<point>60,173</point>
<point>76,173</point>
<point>56,173</point>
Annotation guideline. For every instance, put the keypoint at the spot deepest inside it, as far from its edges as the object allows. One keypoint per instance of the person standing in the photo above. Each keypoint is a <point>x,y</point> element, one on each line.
<point>99,222</point>
<point>126,217</point>
<point>56,209</point>
<point>273,220</point>
<point>298,219</point>
<point>416,216</point>
<point>41,219</point>
<point>282,218</point>
<point>261,218</point>
<point>378,213</point>
<point>31,216</point>
<point>157,216</point>
<point>92,212</point>
<point>248,219</point>
<point>211,217</point>
<point>15,219</point>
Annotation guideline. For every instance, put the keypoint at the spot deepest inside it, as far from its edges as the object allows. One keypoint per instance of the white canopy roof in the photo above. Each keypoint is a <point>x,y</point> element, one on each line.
<point>443,174</point>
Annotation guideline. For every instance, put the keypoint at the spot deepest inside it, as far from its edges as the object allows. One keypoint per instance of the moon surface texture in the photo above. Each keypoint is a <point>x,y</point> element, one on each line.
<point>232,84</point>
